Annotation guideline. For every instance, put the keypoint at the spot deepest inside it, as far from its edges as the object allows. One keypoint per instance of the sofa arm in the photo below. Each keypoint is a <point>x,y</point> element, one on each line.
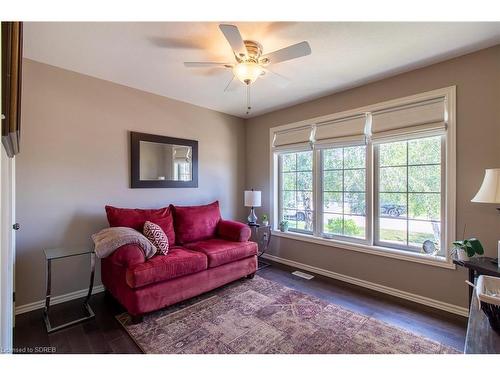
<point>233,231</point>
<point>128,255</point>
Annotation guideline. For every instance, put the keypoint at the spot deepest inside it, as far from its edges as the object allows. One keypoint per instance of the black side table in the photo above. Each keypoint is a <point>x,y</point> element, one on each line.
<point>262,235</point>
<point>479,266</point>
<point>53,254</point>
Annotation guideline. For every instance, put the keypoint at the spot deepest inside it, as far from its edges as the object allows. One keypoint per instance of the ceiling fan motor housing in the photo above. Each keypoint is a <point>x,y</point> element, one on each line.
<point>254,51</point>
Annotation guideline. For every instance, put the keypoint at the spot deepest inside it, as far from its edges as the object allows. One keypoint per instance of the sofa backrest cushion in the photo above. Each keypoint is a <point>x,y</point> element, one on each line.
<point>195,223</point>
<point>136,217</point>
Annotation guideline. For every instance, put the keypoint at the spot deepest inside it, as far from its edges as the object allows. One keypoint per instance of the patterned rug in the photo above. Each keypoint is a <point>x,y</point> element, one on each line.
<point>262,316</point>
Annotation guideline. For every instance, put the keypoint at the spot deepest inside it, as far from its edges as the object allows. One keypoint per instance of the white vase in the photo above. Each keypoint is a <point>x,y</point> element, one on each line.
<point>462,255</point>
<point>265,223</point>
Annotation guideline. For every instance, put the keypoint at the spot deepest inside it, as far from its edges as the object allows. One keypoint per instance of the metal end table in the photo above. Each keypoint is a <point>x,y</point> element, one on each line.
<point>262,235</point>
<point>60,253</point>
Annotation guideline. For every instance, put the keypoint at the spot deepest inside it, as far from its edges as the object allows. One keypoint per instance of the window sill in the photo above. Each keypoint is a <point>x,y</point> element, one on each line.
<point>375,250</point>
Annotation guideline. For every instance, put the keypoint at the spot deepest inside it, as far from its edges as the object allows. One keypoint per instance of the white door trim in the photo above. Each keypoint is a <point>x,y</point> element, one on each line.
<point>7,256</point>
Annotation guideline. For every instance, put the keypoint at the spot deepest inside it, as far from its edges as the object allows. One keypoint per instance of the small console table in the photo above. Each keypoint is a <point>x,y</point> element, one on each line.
<point>479,266</point>
<point>60,253</point>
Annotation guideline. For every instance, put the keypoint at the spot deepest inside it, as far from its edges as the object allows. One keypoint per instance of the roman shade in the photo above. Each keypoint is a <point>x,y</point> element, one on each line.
<point>344,131</point>
<point>295,137</point>
<point>417,118</point>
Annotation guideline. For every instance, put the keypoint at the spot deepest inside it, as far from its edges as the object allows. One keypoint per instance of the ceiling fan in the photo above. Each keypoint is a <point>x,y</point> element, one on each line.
<point>250,62</point>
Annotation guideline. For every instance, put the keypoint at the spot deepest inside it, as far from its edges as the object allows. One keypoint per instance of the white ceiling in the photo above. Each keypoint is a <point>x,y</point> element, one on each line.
<point>150,56</point>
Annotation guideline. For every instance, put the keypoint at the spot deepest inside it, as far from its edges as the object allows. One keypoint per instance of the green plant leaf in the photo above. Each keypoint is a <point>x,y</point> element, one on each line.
<point>477,246</point>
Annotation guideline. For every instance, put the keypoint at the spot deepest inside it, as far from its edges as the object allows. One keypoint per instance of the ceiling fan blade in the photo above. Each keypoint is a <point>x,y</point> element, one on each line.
<point>288,53</point>
<point>281,80</point>
<point>232,85</point>
<point>206,64</point>
<point>234,38</point>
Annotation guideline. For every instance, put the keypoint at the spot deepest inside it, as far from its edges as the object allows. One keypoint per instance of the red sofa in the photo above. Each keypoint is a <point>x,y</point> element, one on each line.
<point>205,252</point>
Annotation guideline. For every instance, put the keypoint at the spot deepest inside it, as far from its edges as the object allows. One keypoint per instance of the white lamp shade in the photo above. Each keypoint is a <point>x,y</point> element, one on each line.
<point>252,198</point>
<point>489,192</point>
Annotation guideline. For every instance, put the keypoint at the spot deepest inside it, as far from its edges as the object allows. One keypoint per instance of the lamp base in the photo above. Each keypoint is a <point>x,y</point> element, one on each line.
<point>252,218</point>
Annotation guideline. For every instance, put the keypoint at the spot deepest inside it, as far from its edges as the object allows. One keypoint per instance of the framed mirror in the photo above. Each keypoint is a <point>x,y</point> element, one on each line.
<point>163,162</point>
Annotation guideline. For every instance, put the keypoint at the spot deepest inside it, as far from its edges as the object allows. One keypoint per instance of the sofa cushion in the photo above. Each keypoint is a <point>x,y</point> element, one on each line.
<point>178,262</point>
<point>219,251</point>
<point>195,223</point>
<point>136,217</point>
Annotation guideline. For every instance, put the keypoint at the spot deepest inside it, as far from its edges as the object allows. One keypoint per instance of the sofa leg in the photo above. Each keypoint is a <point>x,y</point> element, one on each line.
<point>136,319</point>
<point>251,276</point>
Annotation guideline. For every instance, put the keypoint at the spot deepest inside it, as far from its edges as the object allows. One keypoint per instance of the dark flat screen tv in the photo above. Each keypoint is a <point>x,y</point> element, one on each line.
<point>12,56</point>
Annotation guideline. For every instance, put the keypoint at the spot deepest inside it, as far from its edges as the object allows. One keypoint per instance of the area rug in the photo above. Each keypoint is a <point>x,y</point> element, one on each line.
<point>262,316</point>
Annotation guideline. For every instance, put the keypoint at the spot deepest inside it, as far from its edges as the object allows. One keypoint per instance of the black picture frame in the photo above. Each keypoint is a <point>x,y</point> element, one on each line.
<point>137,183</point>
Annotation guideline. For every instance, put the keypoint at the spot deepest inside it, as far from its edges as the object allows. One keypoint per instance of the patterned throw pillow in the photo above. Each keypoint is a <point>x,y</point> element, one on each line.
<point>157,236</point>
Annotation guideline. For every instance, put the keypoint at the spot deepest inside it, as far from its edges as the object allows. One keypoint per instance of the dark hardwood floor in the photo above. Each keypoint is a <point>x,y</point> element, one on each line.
<point>105,335</point>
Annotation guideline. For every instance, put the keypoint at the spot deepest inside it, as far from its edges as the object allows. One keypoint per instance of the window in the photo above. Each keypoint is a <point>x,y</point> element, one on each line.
<point>296,190</point>
<point>409,193</point>
<point>344,191</point>
<point>378,180</point>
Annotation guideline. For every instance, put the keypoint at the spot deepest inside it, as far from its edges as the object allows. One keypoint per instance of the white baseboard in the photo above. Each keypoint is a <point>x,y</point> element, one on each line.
<point>458,310</point>
<point>57,299</point>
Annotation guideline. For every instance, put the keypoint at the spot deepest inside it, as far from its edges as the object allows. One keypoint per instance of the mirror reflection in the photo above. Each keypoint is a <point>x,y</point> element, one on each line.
<point>160,161</point>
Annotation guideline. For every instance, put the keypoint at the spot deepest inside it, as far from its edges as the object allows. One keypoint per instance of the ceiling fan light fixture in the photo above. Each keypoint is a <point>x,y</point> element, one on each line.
<point>247,72</point>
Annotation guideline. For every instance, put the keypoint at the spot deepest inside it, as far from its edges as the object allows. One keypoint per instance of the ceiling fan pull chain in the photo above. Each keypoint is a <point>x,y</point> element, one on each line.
<point>248,100</point>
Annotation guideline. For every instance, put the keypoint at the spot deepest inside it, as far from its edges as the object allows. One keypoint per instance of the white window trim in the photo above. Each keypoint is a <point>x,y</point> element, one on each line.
<point>449,95</point>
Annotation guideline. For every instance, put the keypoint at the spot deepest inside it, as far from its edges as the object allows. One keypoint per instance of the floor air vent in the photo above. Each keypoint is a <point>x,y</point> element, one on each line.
<point>303,275</point>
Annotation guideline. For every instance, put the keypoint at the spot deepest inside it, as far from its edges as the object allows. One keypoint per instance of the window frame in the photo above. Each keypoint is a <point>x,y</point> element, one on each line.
<point>280,189</point>
<point>376,198</point>
<point>448,189</point>
<point>320,197</point>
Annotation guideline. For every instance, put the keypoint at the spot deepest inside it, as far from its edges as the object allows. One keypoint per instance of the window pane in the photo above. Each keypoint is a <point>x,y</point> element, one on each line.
<point>344,202</point>
<point>354,180</point>
<point>333,224</point>
<point>332,202</point>
<point>392,231</point>
<point>289,199</point>
<point>391,154</point>
<point>304,161</point>
<point>392,204</point>
<point>425,206</point>
<point>425,178</point>
<point>304,181</point>
<point>354,157</point>
<point>332,180</point>
<point>304,220</point>
<point>288,162</point>
<point>392,179</point>
<point>354,226</point>
<point>354,203</point>
<point>291,217</point>
<point>296,197</point>
<point>419,231</point>
<point>332,158</point>
<point>424,151</point>
<point>304,201</point>
<point>289,181</point>
<point>410,194</point>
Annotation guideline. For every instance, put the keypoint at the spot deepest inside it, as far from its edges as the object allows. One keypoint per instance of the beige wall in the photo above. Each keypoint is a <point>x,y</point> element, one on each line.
<point>75,159</point>
<point>477,77</point>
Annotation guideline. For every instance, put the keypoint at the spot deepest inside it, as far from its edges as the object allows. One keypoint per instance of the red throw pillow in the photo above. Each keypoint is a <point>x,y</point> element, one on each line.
<point>136,217</point>
<point>195,223</point>
<point>157,236</point>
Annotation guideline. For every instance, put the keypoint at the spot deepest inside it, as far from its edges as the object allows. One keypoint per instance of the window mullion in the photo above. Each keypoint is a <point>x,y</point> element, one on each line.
<point>369,209</point>
<point>317,193</point>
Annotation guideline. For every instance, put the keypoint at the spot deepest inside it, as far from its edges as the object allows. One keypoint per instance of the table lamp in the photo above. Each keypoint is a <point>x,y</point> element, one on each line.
<point>252,199</point>
<point>489,192</point>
